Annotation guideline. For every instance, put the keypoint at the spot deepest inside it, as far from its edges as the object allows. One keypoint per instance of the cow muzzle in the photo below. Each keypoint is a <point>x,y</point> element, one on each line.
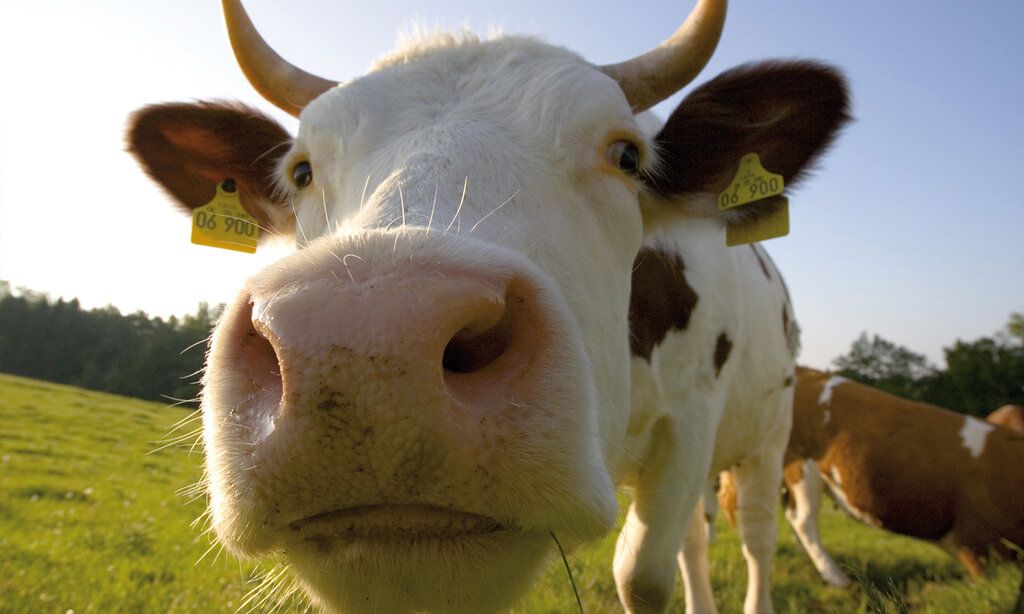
<point>364,398</point>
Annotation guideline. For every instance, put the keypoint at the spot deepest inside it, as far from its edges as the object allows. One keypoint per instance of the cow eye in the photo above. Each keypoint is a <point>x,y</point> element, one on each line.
<point>625,156</point>
<point>302,174</point>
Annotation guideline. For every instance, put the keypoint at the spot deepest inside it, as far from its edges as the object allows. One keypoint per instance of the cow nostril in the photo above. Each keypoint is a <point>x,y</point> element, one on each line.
<point>484,340</point>
<point>262,366</point>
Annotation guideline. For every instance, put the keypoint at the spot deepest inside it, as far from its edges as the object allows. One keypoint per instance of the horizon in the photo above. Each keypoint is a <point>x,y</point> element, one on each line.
<point>906,230</point>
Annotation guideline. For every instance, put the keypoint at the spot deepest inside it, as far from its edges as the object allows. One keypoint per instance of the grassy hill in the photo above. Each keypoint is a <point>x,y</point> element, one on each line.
<point>92,520</point>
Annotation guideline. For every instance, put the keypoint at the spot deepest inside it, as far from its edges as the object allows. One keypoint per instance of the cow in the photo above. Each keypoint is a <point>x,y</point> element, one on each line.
<point>1010,416</point>
<point>908,467</point>
<point>507,297</point>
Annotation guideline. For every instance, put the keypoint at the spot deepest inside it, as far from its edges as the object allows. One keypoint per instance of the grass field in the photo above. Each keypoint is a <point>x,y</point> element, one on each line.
<point>91,520</point>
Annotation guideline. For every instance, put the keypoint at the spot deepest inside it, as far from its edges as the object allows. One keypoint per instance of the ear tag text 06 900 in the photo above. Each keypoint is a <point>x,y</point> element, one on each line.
<point>223,222</point>
<point>751,184</point>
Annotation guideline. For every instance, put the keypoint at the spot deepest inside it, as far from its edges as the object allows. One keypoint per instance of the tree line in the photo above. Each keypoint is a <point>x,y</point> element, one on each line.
<point>102,349</point>
<point>980,376</point>
<point>151,358</point>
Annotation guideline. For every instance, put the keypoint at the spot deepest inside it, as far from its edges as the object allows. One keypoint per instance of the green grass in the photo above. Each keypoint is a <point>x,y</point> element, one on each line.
<point>90,521</point>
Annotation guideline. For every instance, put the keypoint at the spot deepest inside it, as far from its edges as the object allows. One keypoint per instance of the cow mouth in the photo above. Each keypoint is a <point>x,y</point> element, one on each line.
<point>397,523</point>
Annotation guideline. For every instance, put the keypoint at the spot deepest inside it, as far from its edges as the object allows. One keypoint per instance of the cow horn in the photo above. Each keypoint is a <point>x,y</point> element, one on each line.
<point>657,74</point>
<point>285,86</point>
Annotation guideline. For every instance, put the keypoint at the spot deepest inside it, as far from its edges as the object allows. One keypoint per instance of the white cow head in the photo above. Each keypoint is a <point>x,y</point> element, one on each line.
<point>435,384</point>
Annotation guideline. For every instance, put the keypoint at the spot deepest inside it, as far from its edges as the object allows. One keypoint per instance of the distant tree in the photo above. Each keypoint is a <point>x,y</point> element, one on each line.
<point>981,375</point>
<point>882,364</point>
<point>1015,327</point>
<point>101,349</point>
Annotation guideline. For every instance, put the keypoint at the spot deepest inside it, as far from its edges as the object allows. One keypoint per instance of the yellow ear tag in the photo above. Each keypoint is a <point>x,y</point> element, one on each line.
<point>223,222</point>
<point>770,227</point>
<point>752,183</point>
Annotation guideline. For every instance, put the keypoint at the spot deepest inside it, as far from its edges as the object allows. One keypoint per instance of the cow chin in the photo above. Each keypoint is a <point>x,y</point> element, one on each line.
<point>483,570</point>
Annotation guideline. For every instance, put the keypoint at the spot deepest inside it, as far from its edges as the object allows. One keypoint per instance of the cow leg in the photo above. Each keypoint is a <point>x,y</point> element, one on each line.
<point>969,560</point>
<point>693,559</point>
<point>1018,608</point>
<point>953,544</point>
<point>805,488</point>
<point>757,482</point>
<point>667,490</point>
<point>710,503</point>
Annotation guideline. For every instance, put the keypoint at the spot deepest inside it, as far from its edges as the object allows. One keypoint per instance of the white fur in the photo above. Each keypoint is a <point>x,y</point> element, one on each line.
<point>826,391</point>
<point>803,518</point>
<point>689,424</point>
<point>461,153</point>
<point>974,434</point>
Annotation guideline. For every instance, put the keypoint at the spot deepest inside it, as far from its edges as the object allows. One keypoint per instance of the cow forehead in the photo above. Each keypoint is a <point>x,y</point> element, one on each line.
<point>442,92</point>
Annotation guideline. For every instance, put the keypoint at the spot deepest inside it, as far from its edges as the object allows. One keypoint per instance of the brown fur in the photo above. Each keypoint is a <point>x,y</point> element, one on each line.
<point>723,346</point>
<point>190,148</point>
<point>1009,416</point>
<point>727,496</point>
<point>801,106</point>
<point>661,300</point>
<point>903,463</point>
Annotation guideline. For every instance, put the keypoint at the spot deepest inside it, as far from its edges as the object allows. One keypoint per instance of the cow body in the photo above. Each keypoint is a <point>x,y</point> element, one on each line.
<point>413,406</point>
<point>907,467</point>
<point>713,394</point>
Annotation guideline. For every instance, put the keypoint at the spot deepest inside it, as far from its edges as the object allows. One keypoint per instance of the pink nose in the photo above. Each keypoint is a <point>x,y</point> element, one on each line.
<point>439,348</point>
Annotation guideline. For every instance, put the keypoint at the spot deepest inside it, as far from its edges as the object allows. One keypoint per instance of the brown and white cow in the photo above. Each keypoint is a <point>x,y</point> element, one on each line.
<point>904,466</point>
<point>412,407</point>
<point>1010,416</point>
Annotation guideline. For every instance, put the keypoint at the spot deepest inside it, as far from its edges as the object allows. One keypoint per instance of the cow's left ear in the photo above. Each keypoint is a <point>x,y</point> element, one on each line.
<point>786,112</point>
<point>189,148</point>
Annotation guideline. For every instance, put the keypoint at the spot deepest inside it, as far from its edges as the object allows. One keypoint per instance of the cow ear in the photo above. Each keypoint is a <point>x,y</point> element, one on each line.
<point>190,148</point>
<point>786,112</point>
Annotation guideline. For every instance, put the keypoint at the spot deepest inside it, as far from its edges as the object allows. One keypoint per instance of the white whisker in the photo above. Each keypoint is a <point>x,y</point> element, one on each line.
<point>401,200</point>
<point>492,211</point>
<point>362,197</point>
<point>344,260</point>
<point>433,206</point>
<point>327,216</point>
<point>465,186</point>
<point>298,225</point>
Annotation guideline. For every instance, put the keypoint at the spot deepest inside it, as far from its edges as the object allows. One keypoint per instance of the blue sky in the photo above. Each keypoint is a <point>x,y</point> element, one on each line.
<point>910,228</point>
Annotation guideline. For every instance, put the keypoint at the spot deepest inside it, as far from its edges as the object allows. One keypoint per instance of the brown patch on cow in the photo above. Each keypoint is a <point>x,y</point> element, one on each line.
<point>785,321</point>
<point>787,112</point>
<point>760,260</point>
<point>728,496</point>
<point>786,383</point>
<point>660,300</point>
<point>190,148</point>
<point>723,346</point>
<point>792,473</point>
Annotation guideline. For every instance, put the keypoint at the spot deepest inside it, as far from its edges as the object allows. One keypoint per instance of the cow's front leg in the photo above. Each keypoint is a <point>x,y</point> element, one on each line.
<point>668,486</point>
<point>693,558</point>
<point>805,488</point>
<point>758,480</point>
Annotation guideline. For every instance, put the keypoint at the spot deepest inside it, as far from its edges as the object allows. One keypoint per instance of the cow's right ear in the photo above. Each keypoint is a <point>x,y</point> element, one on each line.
<point>190,148</point>
<point>786,112</point>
